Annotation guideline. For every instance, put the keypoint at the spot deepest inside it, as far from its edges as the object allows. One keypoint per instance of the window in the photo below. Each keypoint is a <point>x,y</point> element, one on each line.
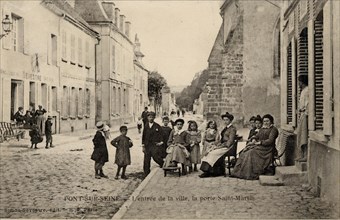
<point>119,101</point>
<point>17,33</point>
<point>54,49</point>
<point>113,100</point>
<point>88,102</point>
<point>80,52</point>
<point>113,59</point>
<point>74,102</point>
<point>289,85</point>
<point>32,94</point>
<point>54,98</point>
<point>277,50</point>
<point>302,58</point>
<point>81,102</point>
<point>65,107</point>
<point>44,95</point>
<point>87,54</point>
<point>64,45</point>
<point>73,49</point>
<point>318,72</point>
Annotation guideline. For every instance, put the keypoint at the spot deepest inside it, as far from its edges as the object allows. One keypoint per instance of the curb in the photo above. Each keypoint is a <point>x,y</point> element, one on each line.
<point>125,207</point>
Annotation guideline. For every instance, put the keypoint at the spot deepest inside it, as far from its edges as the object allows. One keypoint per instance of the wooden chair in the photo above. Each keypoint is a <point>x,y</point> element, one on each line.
<point>232,153</point>
<point>8,131</point>
<point>172,169</point>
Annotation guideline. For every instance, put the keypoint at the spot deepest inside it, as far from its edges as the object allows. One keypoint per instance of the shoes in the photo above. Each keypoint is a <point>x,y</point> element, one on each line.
<point>116,177</point>
<point>52,146</point>
<point>97,176</point>
<point>46,147</point>
<point>124,177</point>
<point>204,175</point>
<point>35,147</point>
<point>104,176</point>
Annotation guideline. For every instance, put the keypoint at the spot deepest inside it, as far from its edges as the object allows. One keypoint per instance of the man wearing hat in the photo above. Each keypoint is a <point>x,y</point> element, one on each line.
<point>152,141</point>
<point>48,131</point>
<point>39,114</point>
<point>100,154</point>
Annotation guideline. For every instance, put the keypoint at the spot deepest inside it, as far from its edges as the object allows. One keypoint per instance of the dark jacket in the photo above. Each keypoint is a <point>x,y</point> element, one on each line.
<point>228,136</point>
<point>48,127</point>
<point>166,133</point>
<point>152,136</point>
<point>100,153</point>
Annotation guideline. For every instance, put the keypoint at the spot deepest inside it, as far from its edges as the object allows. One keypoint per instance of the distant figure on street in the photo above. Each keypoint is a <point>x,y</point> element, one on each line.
<point>39,114</point>
<point>166,129</point>
<point>152,139</point>
<point>139,124</point>
<point>178,113</point>
<point>19,116</point>
<point>145,115</point>
<point>183,113</point>
<point>302,129</point>
<point>122,143</point>
<point>172,118</point>
<point>100,154</point>
<point>35,135</point>
<point>48,132</point>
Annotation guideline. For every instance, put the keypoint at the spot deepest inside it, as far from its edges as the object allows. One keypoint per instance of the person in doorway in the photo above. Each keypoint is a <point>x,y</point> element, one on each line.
<point>39,114</point>
<point>152,139</point>
<point>48,132</point>
<point>122,143</point>
<point>100,154</point>
<point>302,129</point>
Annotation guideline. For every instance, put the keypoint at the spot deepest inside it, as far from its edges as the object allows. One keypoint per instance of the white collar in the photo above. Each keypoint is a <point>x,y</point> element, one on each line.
<point>179,131</point>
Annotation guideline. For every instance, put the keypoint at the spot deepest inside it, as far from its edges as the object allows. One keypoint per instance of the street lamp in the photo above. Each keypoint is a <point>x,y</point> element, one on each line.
<point>6,26</point>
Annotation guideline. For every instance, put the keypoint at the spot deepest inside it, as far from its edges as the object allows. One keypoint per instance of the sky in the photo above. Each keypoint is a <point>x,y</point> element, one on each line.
<point>176,36</point>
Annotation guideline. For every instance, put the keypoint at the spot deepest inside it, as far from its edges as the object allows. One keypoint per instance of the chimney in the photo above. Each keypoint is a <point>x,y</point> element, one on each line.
<point>127,28</point>
<point>122,22</point>
<point>117,12</point>
<point>109,8</point>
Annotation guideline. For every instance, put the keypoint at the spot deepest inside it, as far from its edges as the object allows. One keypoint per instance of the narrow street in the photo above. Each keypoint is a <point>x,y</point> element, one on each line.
<point>59,182</point>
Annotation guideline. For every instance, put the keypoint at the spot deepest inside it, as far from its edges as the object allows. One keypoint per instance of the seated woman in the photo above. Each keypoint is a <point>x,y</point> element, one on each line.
<point>257,155</point>
<point>178,147</point>
<point>213,163</point>
<point>252,127</point>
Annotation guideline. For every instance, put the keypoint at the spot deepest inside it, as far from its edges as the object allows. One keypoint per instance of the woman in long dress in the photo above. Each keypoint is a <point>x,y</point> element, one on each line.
<point>257,155</point>
<point>213,163</point>
<point>178,147</point>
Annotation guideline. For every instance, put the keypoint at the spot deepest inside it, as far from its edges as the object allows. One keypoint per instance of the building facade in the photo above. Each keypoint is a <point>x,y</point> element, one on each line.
<point>116,68</point>
<point>244,74</point>
<point>311,47</point>
<point>54,48</point>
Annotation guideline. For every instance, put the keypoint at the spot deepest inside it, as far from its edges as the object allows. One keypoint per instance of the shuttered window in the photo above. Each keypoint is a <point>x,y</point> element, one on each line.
<point>318,71</point>
<point>289,85</point>
<point>302,61</point>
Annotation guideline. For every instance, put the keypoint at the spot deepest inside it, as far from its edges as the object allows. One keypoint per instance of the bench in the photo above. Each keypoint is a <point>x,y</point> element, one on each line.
<point>172,169</point>
<point>9,131</point>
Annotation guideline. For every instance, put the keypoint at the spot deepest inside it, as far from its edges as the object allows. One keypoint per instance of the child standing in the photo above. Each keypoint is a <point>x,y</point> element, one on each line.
<point>100,154</point>
<point>48,131</point>
<point>166,130</point>
<point>195,140</point>
<point>35,136</point>
<point>122,143</point>
<point>139,124</point>
<point>211,137</point>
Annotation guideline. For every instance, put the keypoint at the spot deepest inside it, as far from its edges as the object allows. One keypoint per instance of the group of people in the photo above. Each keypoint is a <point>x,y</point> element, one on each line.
<point>170,145</point>
<point>38,124</point>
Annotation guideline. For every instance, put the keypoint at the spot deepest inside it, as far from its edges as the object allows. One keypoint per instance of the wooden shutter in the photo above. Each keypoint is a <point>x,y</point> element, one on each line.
<point>318,71</point>
<point>289,85</point>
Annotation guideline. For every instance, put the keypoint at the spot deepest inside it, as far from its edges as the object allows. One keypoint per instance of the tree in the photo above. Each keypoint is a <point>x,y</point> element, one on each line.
<point>155,84</point>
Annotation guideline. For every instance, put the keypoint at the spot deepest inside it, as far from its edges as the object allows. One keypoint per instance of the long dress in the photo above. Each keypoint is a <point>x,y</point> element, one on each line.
<point>254,161</point>
<point>178,146</point>
<point>195,139</point>
<point>210,138</point>
<point>100,153</point>
<point>122,145</point>
<point>213,163</point>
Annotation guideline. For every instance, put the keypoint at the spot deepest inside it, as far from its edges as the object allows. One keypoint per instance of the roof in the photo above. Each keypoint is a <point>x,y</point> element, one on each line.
<point>61,6</point>
<point>91,11</point>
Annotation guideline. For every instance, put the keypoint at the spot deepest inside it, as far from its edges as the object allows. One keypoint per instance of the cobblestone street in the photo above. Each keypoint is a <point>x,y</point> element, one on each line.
<point>59,182</point>
<point>190,197</point>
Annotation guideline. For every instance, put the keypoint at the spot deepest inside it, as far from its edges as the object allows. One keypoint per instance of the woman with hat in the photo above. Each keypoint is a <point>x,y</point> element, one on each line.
<point>100,154</point>
<point>178,147</point>
<point>213,163</point>
<point>257,155</point>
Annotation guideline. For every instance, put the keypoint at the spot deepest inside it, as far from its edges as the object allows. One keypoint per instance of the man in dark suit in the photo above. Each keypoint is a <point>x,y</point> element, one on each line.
<point>145,115</point>
<point>152,139</point>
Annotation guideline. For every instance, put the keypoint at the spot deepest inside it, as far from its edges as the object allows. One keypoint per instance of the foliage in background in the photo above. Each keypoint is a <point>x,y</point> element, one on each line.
<point>186,98</point>
<point>155,84</point>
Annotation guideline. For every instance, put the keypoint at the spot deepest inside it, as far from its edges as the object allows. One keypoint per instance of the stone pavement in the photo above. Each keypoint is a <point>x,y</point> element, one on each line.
<point>59,182</point>
<point>190,197</point>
